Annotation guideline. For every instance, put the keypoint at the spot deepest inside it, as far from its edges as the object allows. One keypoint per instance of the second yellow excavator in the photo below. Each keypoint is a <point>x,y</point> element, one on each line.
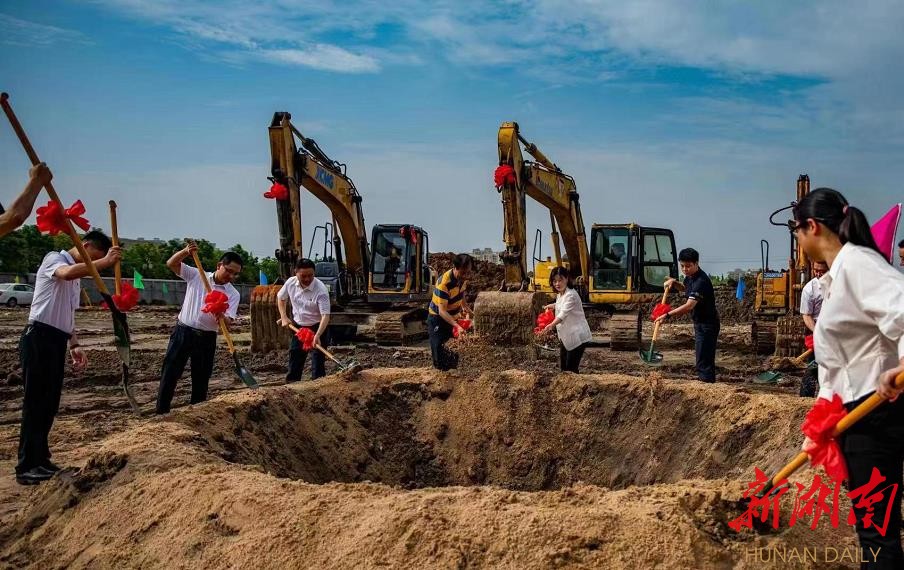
<point>381,289</point>
<point>626,264</point>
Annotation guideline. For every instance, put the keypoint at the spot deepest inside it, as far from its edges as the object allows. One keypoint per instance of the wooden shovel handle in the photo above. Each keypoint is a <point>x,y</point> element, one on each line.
<point>843,425</point>
<point>805,354</point>
<point>114,229</point>
<point>220,320</point>
<point>665,296</point>
<point>33,157</point>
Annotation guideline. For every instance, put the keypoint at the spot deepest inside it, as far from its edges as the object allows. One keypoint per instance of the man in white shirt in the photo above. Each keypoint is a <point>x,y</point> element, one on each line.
<point>310,310</point>
<point>811,296</point>
<point>195,335</point>
<point>42,349</point>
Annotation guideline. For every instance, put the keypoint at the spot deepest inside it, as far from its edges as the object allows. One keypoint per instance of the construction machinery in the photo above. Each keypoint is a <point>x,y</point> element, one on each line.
<point>626,264</point>
<point>382,288</point>
<point>777,326</point>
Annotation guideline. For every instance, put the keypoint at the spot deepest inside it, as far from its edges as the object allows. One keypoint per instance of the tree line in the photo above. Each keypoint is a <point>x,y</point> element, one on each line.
<point>21,252</point>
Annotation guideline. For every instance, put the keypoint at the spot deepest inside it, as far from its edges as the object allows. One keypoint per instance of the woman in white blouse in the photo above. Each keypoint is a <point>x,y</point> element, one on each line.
<point>570,323</point>
<point>859,338</point>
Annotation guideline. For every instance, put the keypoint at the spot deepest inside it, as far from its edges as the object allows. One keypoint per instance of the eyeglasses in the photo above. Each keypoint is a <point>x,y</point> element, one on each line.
<point>794,225</point>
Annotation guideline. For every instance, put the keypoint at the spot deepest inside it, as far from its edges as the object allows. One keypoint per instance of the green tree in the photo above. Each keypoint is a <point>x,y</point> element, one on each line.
<point>147,259</point>
<point>270,267</point>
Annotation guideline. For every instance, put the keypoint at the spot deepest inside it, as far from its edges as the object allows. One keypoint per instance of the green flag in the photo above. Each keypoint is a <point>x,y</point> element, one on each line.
<point>165,289</point>
<point>137,280</point>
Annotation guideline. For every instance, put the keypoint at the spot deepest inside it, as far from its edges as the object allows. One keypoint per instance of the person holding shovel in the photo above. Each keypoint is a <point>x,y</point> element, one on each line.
<point>38,176</point>
<point>195,335</point>
<point>701,303</point>
<point>447,302</point>
<point>310,310</point>
<point>42,348</point>
<point>570,322</point>
<point>859,337</point>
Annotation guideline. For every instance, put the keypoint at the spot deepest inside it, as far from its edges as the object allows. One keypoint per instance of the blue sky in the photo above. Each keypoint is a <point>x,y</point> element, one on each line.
<point>697,116</point>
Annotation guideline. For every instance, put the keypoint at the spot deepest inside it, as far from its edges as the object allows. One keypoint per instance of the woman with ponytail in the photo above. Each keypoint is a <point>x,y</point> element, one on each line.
<point>860,339</point>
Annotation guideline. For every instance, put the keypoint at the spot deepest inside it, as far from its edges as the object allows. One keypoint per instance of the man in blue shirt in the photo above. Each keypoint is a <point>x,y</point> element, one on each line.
<point>701,303</point>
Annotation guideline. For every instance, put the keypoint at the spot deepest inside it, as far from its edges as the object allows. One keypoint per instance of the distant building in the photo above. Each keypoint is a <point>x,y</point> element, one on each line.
<point>486,254</point>
<point>125,242</point>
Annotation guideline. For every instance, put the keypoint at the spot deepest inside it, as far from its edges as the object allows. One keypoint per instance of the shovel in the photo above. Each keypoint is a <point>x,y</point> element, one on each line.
<point>773,376</point>
<point>121,335</point>
<point>843,425</point>
<point>243,373</point>
<point>350,366</point>
<point>652,357</point>
<point>117,282</point>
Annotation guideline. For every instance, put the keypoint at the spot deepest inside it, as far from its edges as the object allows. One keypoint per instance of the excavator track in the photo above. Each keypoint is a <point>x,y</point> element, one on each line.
<point>624,330</point>
<point>762,336</point>
<point>400,327</point>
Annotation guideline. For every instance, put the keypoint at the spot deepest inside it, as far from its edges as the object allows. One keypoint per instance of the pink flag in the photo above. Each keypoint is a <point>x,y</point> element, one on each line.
<point>884,231</point>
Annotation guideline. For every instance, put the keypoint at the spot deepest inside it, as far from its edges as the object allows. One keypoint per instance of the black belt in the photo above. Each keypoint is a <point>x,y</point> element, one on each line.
<point>197,332</point>
<point>44,327</point>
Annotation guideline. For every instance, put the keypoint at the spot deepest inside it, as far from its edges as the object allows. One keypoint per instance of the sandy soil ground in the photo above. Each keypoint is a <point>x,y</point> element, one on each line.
<point>504,463</point>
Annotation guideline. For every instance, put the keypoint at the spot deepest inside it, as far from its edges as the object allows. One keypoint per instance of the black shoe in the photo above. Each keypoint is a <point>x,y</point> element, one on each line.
<point>33,476</point>
<point>50,466</point>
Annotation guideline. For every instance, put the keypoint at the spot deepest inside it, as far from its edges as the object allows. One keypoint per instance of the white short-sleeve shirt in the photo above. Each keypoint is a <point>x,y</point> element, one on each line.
<point>309,303</point>
<point>191,314</point>
<point>811,298</point>
<point>55,299</point>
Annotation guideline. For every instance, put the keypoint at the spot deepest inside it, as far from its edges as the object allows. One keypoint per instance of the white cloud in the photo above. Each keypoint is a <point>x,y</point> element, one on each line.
<point>322,56</point>
<point>15,31</point>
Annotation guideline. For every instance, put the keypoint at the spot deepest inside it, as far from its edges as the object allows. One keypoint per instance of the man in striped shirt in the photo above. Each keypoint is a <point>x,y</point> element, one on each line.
<point>447,302</point>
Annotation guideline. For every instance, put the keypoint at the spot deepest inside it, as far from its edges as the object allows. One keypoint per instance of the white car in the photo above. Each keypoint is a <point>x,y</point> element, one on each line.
<point>12,294</point>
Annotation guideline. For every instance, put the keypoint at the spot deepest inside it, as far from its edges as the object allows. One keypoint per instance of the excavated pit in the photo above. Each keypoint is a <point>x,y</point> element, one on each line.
<point>510,430</point>
<point>413,468</point>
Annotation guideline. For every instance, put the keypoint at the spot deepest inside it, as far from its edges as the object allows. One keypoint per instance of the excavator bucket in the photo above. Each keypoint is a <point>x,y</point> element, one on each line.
<point>266,334</point>
<point>507,318</point>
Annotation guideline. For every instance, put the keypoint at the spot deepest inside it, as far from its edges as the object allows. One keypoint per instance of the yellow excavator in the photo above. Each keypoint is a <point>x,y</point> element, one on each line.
<point>625,264</point>
<point>380,290</point>
<point>777,326</point>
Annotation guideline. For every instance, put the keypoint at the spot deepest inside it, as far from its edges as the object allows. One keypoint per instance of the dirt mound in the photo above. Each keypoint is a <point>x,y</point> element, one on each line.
<point>485,277</point>
<point>412,468</point>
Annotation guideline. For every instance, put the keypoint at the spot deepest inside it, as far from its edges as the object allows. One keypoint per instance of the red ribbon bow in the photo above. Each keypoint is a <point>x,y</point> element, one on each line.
<point>216,303</point>
<point>543,320</point>
<point>52,219</point>
<point>504,174</point>
<point>659,310</point>
<point>818,426</point>
<point>277,192</point>
<point>465,324</point>
<point>808,342</point>
<point>127,300</point>
<point>306,338</point>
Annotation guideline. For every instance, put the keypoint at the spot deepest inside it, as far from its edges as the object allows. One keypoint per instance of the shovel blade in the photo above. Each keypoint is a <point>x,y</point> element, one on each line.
<point>127,388</point>
<point>243,373</point>
<point>651,356</point>
<point>768,377</point>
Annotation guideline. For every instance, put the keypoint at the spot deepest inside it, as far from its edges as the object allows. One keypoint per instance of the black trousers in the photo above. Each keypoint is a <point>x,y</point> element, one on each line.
<point>187,343</point>
<point>569,360</point>
<point>42,354</point>
<point>878,441</point>
<point>440,332</point>
<point>297,357</point>
<point>706,336</point>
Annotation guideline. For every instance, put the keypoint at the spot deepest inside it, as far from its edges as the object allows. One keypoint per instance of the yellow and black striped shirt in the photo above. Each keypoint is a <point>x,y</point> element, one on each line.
<point>449,292</point>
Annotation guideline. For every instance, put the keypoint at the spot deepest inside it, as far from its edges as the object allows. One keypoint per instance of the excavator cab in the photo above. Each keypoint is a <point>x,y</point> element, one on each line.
<point>630,263</point>
<point>398,264</point>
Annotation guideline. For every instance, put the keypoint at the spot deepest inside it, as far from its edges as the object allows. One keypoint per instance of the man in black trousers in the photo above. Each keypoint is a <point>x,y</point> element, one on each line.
<point>195,335</point>
<point>701,303</point>
<point>42,349</point>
